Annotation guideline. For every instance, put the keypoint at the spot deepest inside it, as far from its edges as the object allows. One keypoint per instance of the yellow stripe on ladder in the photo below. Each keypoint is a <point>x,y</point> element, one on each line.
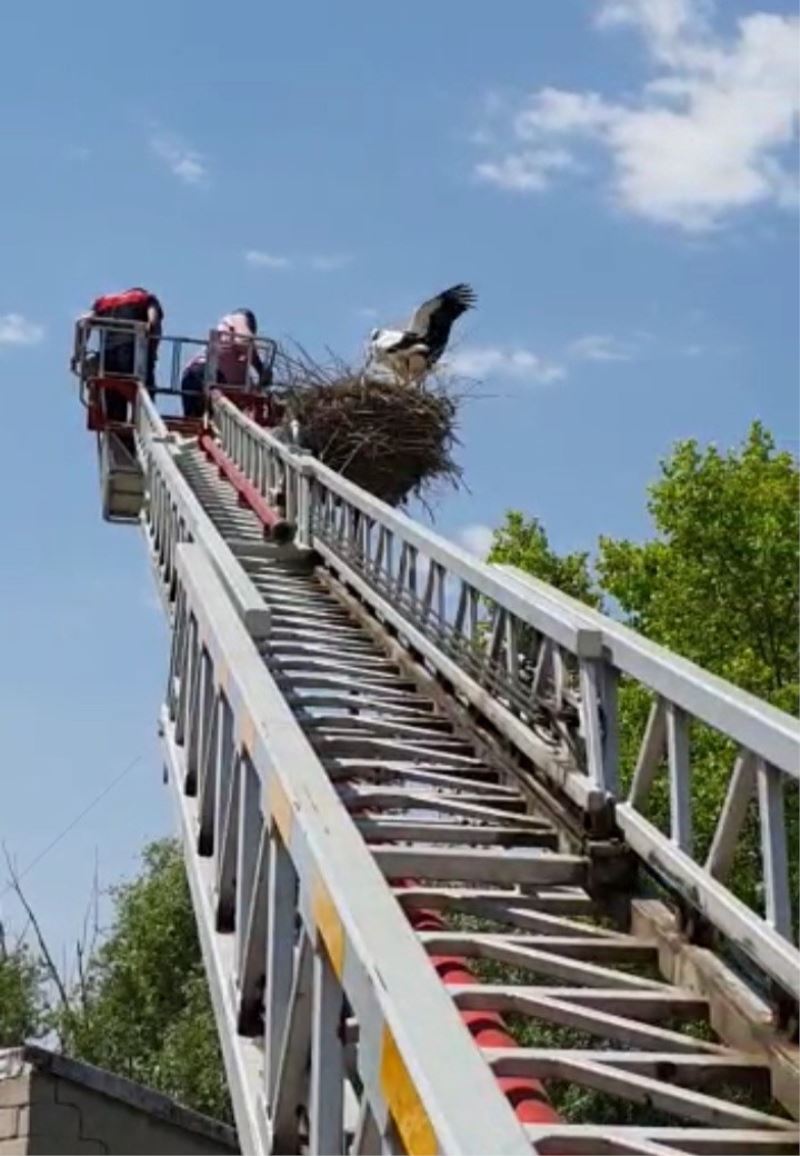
<point>404,1103</point>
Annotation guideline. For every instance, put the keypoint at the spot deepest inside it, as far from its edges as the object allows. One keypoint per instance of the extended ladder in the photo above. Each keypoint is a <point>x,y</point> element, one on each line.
<point>420,899</point>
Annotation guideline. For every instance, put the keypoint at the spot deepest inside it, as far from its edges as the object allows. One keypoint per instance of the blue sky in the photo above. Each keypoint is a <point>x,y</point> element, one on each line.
<point>615,178</point>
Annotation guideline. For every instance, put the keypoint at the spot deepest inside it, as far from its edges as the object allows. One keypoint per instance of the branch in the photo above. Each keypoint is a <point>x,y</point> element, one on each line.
<point>81,976</point>
<point>48,959</point>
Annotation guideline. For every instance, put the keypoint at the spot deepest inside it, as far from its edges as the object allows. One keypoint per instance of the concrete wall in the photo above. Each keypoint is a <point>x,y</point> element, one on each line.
<point>43,1111</point>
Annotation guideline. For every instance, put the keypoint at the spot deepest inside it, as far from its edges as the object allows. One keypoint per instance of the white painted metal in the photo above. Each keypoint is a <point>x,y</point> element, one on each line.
<point>385,977</point>
<point>539,623</point>
<point>308,764</point>
<point>747,720</point>
<point>176,515</point>
<point>121,481</point>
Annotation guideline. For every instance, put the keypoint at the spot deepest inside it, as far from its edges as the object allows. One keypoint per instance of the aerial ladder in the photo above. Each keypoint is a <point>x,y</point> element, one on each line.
<point>423,895</point>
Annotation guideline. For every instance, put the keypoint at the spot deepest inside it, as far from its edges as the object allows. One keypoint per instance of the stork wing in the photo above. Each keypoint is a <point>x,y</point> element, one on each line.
<point>387,339</point>
<point>441,311</point>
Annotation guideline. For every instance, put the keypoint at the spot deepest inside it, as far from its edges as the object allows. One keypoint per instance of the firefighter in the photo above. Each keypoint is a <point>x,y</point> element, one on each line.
<point>119,346</point>
<point>236,355</point>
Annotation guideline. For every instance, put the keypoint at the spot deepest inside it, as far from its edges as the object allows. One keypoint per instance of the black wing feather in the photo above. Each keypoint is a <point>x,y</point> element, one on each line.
<point>434,319</point>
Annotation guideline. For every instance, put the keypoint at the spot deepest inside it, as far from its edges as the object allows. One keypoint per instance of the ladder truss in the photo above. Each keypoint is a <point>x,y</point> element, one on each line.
<point>422,898</point>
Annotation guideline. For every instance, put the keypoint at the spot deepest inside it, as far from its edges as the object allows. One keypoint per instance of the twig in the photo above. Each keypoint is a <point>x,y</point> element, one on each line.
<point>48,959</point>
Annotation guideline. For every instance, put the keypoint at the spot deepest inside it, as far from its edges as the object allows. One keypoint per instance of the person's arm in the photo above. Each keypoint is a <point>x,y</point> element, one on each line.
<point>265,375</point>
<point>79,341</point>
<point>155,318</point>
<point>257,364</point>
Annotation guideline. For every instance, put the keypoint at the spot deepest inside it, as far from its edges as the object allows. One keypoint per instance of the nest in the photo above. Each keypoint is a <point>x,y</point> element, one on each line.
<point>392,439</point>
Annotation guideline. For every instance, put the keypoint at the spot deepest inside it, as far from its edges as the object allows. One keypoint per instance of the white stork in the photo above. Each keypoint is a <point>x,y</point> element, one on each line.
<point>411,352</point>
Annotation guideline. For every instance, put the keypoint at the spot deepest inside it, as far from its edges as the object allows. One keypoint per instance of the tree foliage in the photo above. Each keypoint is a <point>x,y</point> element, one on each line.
<point>718,583</point>
<point>523,542</point>
<point>143,1009</point>
<point>23,1003</point>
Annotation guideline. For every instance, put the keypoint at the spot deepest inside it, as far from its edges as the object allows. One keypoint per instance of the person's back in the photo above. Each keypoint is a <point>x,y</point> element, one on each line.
<point>135,304</point>
<point>119,344</point>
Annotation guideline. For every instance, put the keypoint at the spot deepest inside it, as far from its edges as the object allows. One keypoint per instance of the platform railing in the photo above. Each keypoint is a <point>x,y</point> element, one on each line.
<point>173,353</point>
<point>172,515</point>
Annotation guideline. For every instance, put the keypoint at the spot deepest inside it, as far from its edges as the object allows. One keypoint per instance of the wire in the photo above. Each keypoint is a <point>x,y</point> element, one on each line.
<point>74,822</point>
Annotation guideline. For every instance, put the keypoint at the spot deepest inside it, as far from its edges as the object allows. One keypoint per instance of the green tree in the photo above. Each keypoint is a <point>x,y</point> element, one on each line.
<point>143,1009</point>
<point>523,542</point>
<point>23,1004</point>
<point>717,582</point>
<point>720,582</point>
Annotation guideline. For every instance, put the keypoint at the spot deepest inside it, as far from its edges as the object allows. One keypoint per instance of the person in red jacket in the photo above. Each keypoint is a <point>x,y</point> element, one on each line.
<point>135,304</point>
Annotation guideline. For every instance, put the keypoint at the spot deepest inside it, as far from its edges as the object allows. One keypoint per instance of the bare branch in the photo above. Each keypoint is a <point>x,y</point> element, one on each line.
<point>82,985</point>
<point>46,955</point>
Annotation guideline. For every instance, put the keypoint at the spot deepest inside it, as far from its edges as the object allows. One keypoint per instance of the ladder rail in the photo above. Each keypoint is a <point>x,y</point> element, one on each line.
<point>340,519</point>
<point>378,551</point>
<point>767,758</point>
<point>174,515</point>
<point>750,721</point>
<point>262,741</point>
<point>298,855</point>
<point>295,599</point>
<point>768,732</point>
<point>219,784</point>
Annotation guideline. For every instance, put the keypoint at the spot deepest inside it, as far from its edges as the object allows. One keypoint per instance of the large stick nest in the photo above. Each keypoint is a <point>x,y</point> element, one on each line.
<point>394,440</point>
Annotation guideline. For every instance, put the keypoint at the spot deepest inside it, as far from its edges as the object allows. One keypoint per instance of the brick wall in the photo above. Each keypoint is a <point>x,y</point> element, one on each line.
<point>44,1112</point>
<point>15,1100</point>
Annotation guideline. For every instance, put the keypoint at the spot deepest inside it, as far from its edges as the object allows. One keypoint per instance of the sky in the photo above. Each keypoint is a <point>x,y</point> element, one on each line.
<point>616,178</point>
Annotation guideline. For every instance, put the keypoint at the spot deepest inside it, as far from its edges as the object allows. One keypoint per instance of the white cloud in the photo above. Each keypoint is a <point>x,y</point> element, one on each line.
<point>483,360</point>
<point>319,262</point>
<point>711,133</point>
<point>18,330</point>
<point>555,110</point>
<point>476,538</point>
<point>600,347</point>
<point>526,172</point>
<point>667,26</point>
<point>262,260</point>
<point>183,162</point>
<point>329,262</point>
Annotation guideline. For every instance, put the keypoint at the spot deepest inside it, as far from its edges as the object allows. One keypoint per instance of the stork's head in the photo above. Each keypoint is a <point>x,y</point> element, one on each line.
<point>373,333</point>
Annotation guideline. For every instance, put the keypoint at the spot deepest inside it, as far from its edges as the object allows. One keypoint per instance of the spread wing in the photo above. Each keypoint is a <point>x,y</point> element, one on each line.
<point>434,319</point>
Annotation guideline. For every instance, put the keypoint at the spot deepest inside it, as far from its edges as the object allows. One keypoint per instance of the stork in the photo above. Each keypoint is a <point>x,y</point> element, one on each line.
<point>412,352</point>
